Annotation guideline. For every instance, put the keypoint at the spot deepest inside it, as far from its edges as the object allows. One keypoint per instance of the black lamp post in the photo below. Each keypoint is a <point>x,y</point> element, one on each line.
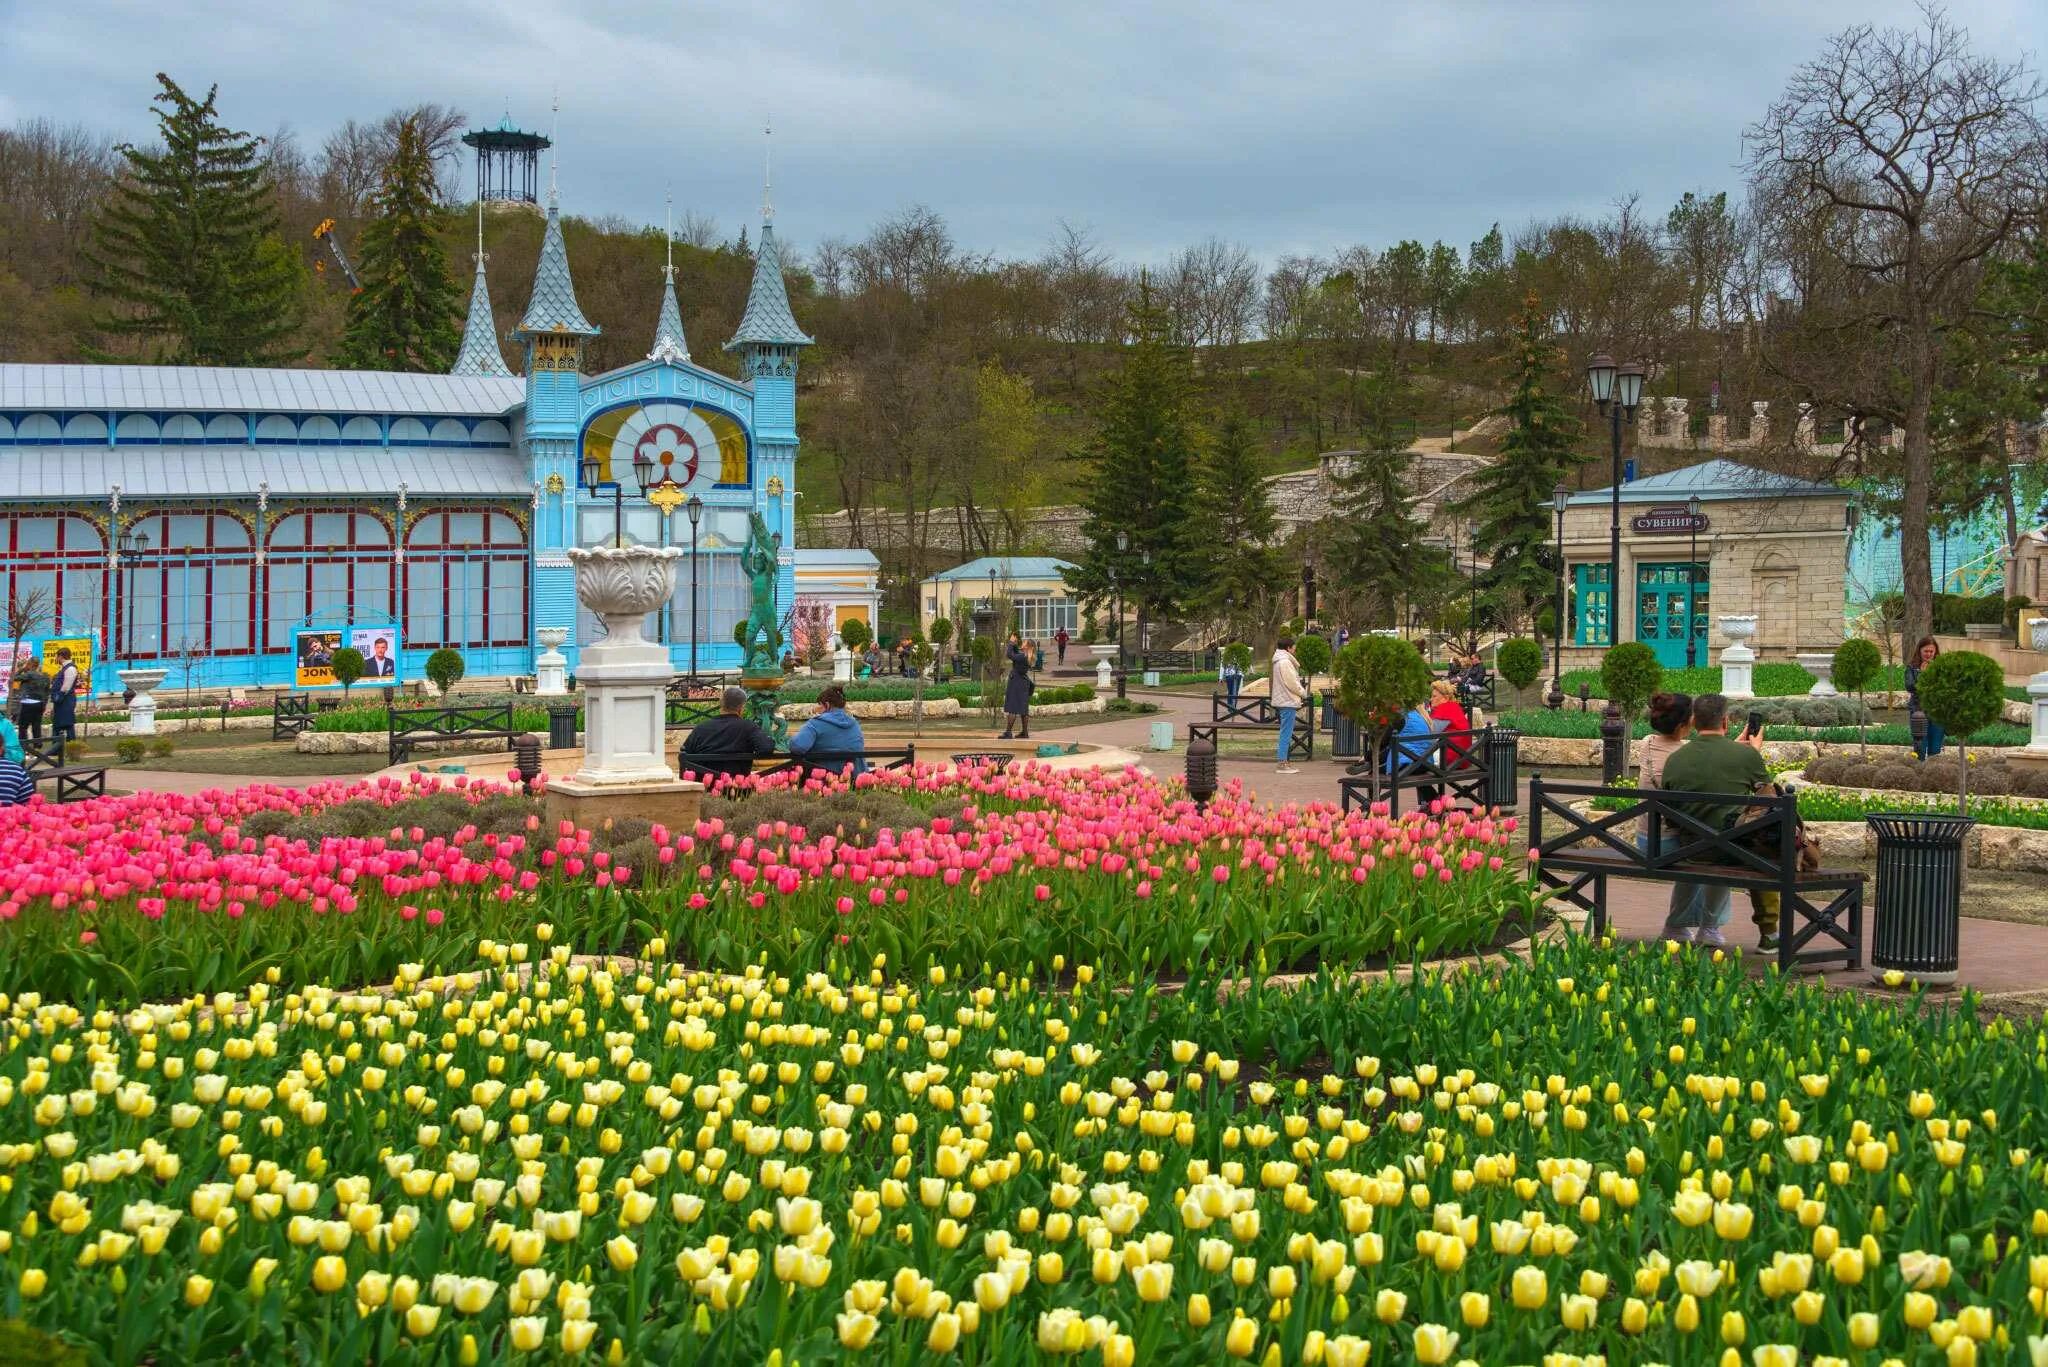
<point>131,543</point>
<point>1692,579</point>
<point>643,476</point>
<point>1472,593</point>
<point>1559,498</point>
<point>1123,543</point>
<point>693,507</point>
<point>1617,390</point>
<point>1308,596</point>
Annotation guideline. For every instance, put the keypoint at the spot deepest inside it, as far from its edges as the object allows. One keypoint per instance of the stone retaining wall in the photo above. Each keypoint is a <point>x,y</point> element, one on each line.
<point>99,727</point>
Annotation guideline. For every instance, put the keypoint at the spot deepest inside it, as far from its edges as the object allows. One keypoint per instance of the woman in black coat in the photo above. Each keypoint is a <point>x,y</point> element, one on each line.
<point>1017,691</point>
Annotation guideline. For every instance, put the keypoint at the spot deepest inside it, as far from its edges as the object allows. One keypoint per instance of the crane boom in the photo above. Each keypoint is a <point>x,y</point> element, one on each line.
<point>325,232</point>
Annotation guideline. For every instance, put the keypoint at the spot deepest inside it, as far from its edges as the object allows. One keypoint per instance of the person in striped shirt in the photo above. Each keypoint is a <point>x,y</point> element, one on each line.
<point>16,787</point>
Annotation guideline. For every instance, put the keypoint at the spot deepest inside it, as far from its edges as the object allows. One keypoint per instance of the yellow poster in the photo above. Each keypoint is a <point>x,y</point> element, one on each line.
<point>81,656</point>
<point>314,659</point>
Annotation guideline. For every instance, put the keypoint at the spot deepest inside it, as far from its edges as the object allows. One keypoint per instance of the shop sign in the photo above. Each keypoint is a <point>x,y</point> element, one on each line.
<point>1662,521</point>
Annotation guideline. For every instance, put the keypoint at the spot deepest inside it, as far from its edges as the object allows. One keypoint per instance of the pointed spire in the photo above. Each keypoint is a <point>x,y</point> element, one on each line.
<point>553,307</point>
<point>669,344</point>
<point>767,171</point>
<point>767,319</point>
<point>480,354</point>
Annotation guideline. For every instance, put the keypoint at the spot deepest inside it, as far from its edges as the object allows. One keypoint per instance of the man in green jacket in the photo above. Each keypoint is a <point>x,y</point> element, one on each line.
<point>1711,762</point>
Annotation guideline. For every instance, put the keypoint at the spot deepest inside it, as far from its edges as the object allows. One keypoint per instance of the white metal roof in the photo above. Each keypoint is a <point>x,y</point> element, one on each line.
<point>223,472</point>
<point>183,388</point>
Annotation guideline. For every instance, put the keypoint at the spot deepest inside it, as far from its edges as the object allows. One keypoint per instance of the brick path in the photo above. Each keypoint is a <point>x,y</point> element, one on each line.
<point>1996,956</point>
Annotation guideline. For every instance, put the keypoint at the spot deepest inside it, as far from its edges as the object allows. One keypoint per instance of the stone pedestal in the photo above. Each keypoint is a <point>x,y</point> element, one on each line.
<point>1820,664</point>
<point>1105,677</point>
<point>551,669</point>
<point>142,707</point>
<point>625,676</point>
<point>2037,633</point>
<point>1737,659</point>
<point>842,665</point>
<point>2035,751</point>
<point>674,802</point>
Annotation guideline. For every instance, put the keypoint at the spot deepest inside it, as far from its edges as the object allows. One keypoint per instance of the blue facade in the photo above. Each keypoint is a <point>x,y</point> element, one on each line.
<point>204,520</point>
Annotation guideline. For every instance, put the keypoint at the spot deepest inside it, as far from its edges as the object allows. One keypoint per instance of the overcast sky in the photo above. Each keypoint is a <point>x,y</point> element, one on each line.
<point>1290,128</point>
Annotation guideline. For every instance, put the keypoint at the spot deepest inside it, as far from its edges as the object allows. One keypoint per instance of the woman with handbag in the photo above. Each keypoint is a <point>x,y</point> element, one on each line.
<point>1017,691</point>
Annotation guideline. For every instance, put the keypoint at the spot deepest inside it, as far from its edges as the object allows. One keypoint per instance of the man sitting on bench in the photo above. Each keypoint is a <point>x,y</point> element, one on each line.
<point>1712,763</point>
<point>727,743</point>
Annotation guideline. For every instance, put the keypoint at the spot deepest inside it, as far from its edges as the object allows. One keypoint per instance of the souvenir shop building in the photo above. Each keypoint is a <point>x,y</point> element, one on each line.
<point>1718,538</point>
<point>226,524</point>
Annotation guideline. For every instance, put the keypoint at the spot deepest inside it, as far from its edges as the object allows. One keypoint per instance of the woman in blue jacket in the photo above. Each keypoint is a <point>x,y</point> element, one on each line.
<point>833,732</point>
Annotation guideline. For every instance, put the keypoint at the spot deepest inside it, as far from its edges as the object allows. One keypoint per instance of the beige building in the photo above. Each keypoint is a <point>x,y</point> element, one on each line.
<point>1033,584</point>
<point>844,582</point>
<point>1710,540</point>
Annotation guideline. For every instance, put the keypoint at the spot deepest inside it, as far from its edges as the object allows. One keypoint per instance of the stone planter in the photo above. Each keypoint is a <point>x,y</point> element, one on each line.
<point>1820,664</point>
<point>551,670</point>
<point>1983,631</point>
<point>1738,627</point>
<point>1737,659</point>
<point>142,707</point>
<point>624,675</point>
<point>2037,633</point>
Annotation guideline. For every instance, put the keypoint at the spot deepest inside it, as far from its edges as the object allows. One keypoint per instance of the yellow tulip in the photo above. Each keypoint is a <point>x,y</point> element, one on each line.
<point>1346,1350</point>
<point>1733,1329</point>
<point>1733,1220</point>
<point>1119,1350</point>
<point>1434,1344</point>
<point>198,1290</point>
<point>1390,1305</point>
<point>945,1332</point>
<point>576,1335</point>
<point>622,1253</point>
<point>856,1329</point>
<point>1578,1312</point>
<point>1474,1309</point>
<point>1155,1282</point>
<point>1241,1337</point>
<point>421,1319</point>
<point>330,1274</point>
<point>1807,1307</point>
<point>1198,1310</point>
<point>530,1333</point>
<point>1529,1288</point>
<point>34,1281</point>
<point>1635,1316</point>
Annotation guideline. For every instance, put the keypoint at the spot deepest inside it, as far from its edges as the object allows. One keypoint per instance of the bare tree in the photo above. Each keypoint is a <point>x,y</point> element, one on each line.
<point>52,178</point>
<point>1892,165</point>
<point>698,230</point>
<point>1212,293</point>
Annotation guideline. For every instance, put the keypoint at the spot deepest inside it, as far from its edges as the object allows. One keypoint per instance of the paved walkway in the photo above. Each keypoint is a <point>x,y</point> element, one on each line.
<point>1996,956</point>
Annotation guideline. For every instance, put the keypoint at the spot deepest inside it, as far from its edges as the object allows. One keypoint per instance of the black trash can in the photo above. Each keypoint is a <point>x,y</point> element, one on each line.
<point>1347,739</point>
<point>1500,766</point>
<point>1919,894</point>
<point>562,726</point>
<point>1329,712</point>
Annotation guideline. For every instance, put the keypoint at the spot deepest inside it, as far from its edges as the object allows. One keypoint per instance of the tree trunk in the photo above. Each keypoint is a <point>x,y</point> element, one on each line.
<point>1962,779</point>
<point>1915,560</point>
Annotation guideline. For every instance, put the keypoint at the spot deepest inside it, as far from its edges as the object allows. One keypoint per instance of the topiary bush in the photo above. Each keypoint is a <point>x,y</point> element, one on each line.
<point>347,664</point>
<point>1378,679</point>
<point>445,668</point>
<point>1312,653</point>
<point>1519,662</point>
<point>856,636</point>
<point>1960,692</point>
<point>128,749</point>
<point>1856,663</point>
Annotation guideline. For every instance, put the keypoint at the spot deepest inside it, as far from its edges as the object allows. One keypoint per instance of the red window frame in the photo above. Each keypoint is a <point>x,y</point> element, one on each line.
<point>311,554</point>
<point>430,541</point>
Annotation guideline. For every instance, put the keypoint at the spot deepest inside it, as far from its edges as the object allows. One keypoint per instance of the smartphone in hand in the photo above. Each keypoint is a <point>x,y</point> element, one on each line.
<point>1755,726</point>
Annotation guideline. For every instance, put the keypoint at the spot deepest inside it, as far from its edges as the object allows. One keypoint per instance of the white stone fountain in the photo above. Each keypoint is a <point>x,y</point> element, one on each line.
<point>625,680</point>
<point>1737,659</point>
<point>142,707</point>
<point>551,670</point>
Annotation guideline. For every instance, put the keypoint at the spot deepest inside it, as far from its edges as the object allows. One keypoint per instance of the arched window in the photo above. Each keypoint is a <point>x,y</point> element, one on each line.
<point>465,580</point>
<point>333,565</point>
<point>53,571</point>
<point>192,591</point>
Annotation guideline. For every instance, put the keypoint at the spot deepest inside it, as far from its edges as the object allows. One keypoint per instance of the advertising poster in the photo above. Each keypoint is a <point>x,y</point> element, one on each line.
<point>313,662</point>
<point>81,656</point>
<point>10,652</point>
<point>378,646</point>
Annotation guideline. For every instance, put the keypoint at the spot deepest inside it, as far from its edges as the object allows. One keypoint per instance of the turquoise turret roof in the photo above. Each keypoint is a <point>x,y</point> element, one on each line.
<point>767,319</point>
<point>480,354</point>
<point>668,326</point>
<point>553,307</point>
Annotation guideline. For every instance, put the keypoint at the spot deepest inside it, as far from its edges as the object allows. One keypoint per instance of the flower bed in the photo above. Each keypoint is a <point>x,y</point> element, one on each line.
<point>542,1156</point>
<point>1570,723</point>
<point>152,895</point>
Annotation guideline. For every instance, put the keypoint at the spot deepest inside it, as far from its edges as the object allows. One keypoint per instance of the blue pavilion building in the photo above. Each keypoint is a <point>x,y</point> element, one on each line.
<point>207,520</point>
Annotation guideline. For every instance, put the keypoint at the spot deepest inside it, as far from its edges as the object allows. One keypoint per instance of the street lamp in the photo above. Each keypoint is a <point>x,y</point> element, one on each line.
<point>693,508</point>
<point>1692,579</point>
<point>1615,389</point>
<point>1123,543</point>
<point>593,471</point>
<point>1308,595</point>
<point>131,543</point>
<point>1559,498</point>
<point>1472,554</point>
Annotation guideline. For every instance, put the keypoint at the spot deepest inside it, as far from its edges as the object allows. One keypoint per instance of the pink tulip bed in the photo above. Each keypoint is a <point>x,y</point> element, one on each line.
<point>154,896</point>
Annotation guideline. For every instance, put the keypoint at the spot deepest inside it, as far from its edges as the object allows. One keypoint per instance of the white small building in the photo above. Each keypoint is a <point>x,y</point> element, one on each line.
<point>1034,585</point>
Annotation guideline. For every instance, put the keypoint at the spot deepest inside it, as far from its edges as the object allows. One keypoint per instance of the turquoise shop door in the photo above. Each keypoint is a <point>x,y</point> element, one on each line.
<point>1671,604</point>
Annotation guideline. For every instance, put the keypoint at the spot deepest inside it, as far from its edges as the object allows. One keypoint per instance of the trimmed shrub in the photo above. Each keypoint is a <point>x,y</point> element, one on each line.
<point>1631,673</point>
<point>855,634</point>
<point>347,664</point>
<point>1519,662</point>
<point>128,749</point>
<point>445,668</point>
<point>1312,652</point>
<point>1895,774</point>
<point>162,747</point>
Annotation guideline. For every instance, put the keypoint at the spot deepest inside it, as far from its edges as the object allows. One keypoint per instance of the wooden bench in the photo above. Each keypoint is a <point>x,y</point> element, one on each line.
<point>411,726</point>
<point>1252,712</point>
<point>745,764</point>
<point>1577,851</point>
<point>69,782</point>
<point>290,714</point>
<point>1466,777</point>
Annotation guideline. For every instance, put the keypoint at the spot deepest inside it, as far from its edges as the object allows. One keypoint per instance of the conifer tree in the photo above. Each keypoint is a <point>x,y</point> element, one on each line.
<point>1235,510</point>
<point>188,248</point>
<point>1509,500</point>
<point>408,314</point>
<point>1139,481</point>
<point>1373,543</point>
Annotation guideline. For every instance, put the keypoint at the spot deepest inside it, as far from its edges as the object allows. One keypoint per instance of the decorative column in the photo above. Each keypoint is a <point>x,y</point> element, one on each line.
<point>1737,659</point>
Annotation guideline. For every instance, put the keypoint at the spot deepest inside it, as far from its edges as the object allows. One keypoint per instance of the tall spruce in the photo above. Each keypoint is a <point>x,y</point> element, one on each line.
<point>1139,478</point>
<point>1372,543</point>
<point>1509,501</point>
<point>1245,568</point>
<point>188,245</point>
<point>408,314</point>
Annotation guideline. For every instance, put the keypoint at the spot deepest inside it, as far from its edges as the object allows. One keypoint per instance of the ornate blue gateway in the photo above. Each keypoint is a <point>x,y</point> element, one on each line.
<point>207,520</point>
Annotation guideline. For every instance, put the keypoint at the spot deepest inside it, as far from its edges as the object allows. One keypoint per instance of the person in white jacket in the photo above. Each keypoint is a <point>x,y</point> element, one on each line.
<point>1287,697</point>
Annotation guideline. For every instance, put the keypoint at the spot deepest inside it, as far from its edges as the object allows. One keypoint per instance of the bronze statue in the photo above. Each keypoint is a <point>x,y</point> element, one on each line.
<point>761,560</point>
